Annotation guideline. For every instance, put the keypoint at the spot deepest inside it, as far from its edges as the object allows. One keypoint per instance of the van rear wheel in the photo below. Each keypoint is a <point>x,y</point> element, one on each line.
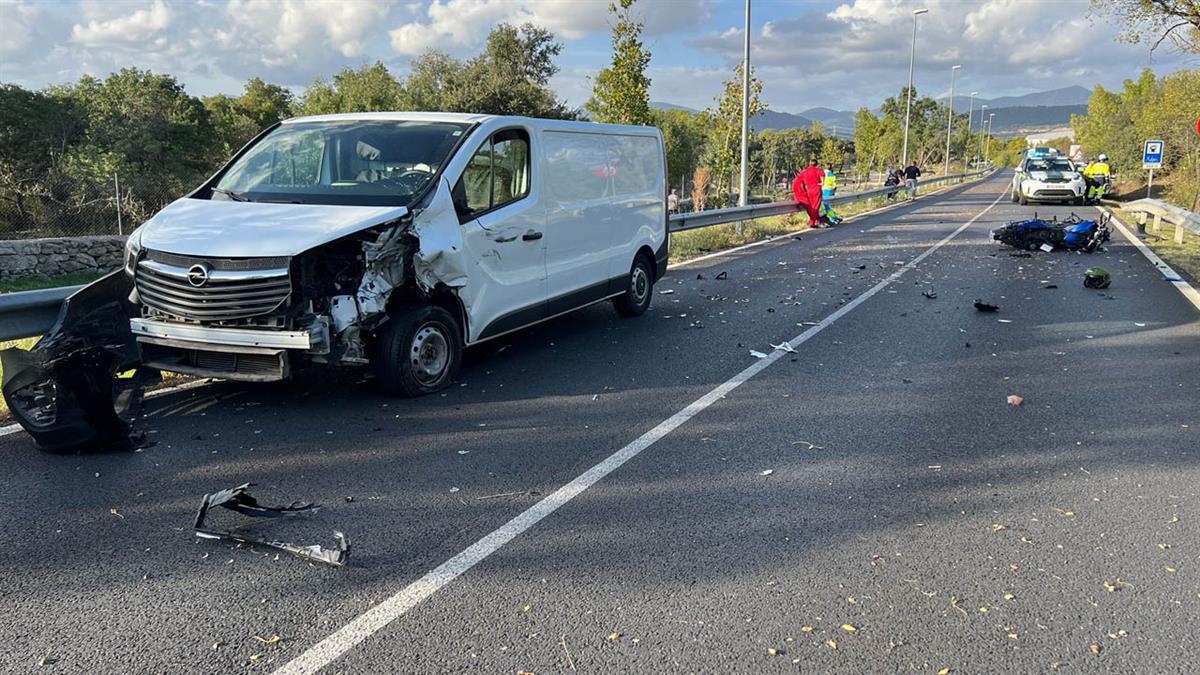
<point>638,290</point>
<point>418,351</point>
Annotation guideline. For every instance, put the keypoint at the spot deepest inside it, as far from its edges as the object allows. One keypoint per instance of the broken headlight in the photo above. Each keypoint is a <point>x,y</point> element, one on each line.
<point>133,249</point>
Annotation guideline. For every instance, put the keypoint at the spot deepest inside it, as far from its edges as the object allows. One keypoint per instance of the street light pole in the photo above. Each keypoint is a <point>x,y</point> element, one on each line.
<point>742,201</point>
<point>982,109</point>
<point>970,114</point>
<point>912,57</point>
<point>950,118</point>
<point>988,147</point>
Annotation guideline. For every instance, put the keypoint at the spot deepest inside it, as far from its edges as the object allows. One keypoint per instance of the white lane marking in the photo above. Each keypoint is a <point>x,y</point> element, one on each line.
<point>1187,290</point>
<point>849,219</point>
<point>14,428</point>
<point>374,619</point>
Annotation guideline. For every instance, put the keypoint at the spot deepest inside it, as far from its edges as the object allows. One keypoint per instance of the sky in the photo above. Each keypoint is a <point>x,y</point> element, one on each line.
<point>808,53</point>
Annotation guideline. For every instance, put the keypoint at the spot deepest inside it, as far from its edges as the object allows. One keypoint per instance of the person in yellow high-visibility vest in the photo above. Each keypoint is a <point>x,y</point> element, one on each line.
<point>829,184</point>
<point>1097,175</point>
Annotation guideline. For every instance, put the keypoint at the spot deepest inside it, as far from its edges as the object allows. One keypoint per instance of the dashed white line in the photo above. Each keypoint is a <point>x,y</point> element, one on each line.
<point>379,616</point>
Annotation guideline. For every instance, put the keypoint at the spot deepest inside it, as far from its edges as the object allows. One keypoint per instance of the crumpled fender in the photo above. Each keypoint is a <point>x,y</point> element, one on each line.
<point>440,257</point>
<point>66,391</point>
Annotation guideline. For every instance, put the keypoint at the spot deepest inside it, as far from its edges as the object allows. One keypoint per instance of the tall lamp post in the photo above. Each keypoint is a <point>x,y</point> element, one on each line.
<point>950,118</point>
<point>970,113</point>
<point>982,121</point>
<point>908,106</point>
<point>742,189</point>
<point>987,149</point>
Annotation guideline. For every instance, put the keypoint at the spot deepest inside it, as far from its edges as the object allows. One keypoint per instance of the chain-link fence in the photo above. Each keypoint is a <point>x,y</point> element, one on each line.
<point>73,208</point>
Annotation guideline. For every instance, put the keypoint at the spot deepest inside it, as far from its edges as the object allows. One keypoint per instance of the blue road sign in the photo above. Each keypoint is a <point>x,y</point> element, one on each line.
<point>1152,155</point>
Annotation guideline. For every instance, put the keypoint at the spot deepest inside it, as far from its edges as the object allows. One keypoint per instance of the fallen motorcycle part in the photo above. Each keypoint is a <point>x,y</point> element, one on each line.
<point>985,307</point>
<point>80,387</point>
<point>1071,233</point>
<point>236,499</point>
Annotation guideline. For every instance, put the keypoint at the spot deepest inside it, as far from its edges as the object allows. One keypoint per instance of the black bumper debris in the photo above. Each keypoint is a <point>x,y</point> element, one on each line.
<point>80,386</point>
<point>236,499</point>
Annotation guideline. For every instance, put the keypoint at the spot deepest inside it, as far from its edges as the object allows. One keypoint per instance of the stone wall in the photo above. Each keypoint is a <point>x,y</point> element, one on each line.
<point>52,257</point>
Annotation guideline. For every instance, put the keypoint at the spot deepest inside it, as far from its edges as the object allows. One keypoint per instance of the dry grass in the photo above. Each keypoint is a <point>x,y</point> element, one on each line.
<point>1185,257</point>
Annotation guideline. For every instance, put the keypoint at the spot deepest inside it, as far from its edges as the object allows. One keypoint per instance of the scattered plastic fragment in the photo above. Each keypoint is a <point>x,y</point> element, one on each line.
<point>929,294</point>
<point>786,347</point>
<point>985,307</point>
<point>236,499</point>
<point>757,354</point>
<point>1015,400</point>
<point>766,472</point>
<point>722,276</point>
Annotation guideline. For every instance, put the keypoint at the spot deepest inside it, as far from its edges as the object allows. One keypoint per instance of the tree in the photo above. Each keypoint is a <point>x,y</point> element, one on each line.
<point>1177,21</point>
<point>683,139</point>
<point>511,76</point>
<point>621,93</point>
<point>725,133</point>
<point>369,88</point>
<point>236,121</point>
<point>265,104</point>
<point>432,76</point>
<point>36,130</point>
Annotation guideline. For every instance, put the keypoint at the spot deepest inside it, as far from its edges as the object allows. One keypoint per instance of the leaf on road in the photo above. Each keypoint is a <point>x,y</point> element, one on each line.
<point>1164,546</point>
<point>1015,400</point>
<point>1095,649</point>
<point>1117,585</point>
<point>772,651</point>
<point>996,527</point>
<point>944,671</point>
<point>954,604</point>
<point>255,657</point>
<point>1174,519</point>
<point>852,600</point>
<point>527,608</point>
<point>1170,569</point>
<point>116,513</point>
<point>1009,597</point>
<point>1065,514</point>
<point>614,636</point>
<point>1118,635</point>
<point>268,641</point>
<point>1012,636</point>
<point>849,628</point>
<point>217,645</point>
<point>832,644</point>
<point>806,629</point>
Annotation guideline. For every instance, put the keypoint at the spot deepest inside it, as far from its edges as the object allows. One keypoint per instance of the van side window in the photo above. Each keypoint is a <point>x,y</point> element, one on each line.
<point>577,167</point>
<point>498,172</point>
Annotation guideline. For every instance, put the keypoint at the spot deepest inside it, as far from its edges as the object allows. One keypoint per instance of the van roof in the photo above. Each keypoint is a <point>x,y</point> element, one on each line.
<point>472,118</point>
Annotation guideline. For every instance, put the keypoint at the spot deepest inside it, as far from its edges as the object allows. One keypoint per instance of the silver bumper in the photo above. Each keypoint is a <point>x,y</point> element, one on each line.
<point>202,336</point>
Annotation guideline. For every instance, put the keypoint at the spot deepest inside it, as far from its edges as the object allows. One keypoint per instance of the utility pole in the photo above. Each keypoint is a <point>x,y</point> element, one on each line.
<point>987,149</point>
<point>950,119</point>
<point>970,113</point>
<point>912,58</point>
<point>742,196</point>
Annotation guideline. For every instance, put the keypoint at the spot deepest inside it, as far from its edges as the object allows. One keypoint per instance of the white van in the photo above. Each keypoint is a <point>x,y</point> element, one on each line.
<point>397,239</point>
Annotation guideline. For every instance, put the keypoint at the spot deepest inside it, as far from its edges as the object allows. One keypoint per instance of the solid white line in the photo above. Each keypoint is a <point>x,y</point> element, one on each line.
<point>1187,290</point>
<point>379,616</point>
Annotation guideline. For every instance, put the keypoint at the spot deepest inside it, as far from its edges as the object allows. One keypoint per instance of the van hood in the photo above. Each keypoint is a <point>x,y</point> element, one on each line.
<point>229,229</point>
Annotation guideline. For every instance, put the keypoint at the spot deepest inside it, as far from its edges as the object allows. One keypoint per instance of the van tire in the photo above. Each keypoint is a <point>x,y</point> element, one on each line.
<point>418,351</point>
<point>639,288</point>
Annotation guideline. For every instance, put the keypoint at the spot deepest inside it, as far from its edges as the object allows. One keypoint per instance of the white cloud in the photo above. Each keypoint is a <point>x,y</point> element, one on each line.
<point>144,24</point>
<point>453,25</point>
<point>22,19</point>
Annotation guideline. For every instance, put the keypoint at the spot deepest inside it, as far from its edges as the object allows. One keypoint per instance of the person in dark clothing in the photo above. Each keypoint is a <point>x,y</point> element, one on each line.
<point>911,174</point>
<point>892,180</point>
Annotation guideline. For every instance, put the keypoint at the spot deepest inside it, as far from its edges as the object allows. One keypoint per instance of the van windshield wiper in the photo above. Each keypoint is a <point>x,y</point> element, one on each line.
<point>235,196</point>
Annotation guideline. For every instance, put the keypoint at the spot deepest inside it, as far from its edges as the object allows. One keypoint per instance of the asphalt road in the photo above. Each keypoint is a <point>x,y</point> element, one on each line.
<point>870,503</point>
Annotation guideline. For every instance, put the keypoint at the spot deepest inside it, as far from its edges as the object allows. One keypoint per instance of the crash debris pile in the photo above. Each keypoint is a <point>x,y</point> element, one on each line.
<point>236,499</point>
<point>1071,233</point>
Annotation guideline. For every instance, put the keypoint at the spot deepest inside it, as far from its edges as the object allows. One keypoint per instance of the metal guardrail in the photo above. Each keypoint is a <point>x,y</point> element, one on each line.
<point>1180,217</point>
<point>681,222</point>
<point>31,313</point>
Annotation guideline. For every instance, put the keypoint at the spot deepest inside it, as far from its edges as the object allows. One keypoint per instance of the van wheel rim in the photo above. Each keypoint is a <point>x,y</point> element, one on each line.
<point>639,283</point>
<point>429,355</point>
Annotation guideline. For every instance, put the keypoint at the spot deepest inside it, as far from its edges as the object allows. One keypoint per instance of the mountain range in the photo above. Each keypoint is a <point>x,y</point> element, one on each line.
<point>1043,109</point>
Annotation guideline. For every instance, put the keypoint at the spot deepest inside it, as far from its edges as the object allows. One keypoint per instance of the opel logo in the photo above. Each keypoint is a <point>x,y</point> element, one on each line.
<point>198,275</point>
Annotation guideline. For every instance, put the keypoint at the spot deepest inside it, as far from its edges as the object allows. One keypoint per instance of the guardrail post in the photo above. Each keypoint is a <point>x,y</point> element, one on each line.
<point>1157,221</point>
<point>1179,232</point>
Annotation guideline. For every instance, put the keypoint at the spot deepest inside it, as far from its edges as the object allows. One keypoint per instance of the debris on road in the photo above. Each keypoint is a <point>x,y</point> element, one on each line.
<point>722,276</point>
<point>1015,400</point>
<point>786,347</point>
<point>757,354</point>
<point>985,307</point>
<point>766,472</point>
<point>236,499</point>
<point>80,387</point>
<point>929,294</point>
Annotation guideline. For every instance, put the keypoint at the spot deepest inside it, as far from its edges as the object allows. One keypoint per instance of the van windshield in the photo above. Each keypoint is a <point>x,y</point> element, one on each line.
<point>353,163</point>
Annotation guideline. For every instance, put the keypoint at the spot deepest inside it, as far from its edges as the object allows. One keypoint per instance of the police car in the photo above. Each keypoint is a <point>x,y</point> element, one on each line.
<point>1047,178</point>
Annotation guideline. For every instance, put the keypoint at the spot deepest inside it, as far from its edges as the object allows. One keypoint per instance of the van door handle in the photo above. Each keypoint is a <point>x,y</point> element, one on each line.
<point>531,236</point>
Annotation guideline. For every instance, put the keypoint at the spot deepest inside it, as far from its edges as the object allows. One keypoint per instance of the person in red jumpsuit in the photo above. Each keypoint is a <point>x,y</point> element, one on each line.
<point>807,189</point>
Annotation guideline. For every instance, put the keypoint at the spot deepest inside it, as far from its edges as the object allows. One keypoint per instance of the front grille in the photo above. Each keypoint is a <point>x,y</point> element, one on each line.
<point>266,366</point>
<point>236,295</point>
<point>1054,193</point>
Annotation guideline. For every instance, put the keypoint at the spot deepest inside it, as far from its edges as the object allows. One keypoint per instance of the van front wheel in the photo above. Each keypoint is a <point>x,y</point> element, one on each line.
<point>639,289</point>
<point>418,351</point>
